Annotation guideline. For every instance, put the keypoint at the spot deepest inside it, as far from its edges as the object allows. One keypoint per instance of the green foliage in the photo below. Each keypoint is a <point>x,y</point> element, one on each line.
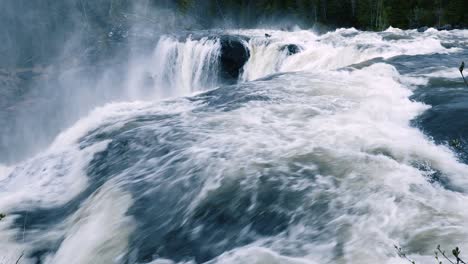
<point>184,5</point>
<point>363,14</point>
<point>399,13</point>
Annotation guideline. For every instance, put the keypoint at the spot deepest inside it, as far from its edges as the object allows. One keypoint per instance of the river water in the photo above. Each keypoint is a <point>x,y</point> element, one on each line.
<point>334,154</point>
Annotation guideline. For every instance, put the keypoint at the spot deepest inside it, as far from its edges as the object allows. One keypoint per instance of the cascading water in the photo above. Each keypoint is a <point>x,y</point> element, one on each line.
<point>267,57</point>
<point>325,155</point>
<point>176,68</point>
<point>190,66</point>
<point>334,50</point>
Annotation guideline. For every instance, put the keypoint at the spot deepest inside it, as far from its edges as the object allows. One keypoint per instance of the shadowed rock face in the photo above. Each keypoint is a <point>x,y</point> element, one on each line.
<point>234,55</point>
<point>422,29</point>
<point>292,49</point>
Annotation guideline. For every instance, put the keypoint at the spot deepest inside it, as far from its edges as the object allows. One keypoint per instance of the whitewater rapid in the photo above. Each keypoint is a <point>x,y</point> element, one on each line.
<point>310,158</point>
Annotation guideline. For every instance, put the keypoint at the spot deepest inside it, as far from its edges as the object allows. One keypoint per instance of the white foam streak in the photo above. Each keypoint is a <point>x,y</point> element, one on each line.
<point>98,232</point>
<point>257,255</point>
<point>48,180</point>
<point>4,171</point>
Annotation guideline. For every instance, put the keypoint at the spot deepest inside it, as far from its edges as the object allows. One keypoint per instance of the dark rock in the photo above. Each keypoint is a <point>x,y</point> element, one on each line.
<point>445,27</point>
<point>267,35</point>
<point>234,55</point>
<point>291,49</point>
<point>422,29</point>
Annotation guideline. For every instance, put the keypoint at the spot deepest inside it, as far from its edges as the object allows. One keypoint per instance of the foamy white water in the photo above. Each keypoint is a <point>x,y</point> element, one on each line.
<point>317,163</point>
<point>175,68</point>
<point>342,47</point>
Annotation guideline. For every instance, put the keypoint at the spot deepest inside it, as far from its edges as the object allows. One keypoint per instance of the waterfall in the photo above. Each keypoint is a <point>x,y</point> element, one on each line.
<point>176,68</point>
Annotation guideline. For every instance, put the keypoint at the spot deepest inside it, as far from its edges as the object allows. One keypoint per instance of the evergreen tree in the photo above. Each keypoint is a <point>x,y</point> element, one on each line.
<point>363,14</point>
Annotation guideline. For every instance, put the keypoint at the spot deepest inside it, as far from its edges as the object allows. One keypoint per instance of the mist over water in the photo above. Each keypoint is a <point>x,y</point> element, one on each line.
<point>321,148</point>
<point>61,59</point>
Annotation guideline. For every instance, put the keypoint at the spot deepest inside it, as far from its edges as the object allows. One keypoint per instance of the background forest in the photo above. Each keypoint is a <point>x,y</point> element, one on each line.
<point>362,14</point>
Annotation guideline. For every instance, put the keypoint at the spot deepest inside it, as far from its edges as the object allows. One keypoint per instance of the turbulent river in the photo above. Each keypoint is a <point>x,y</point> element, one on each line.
<point>333,153</point>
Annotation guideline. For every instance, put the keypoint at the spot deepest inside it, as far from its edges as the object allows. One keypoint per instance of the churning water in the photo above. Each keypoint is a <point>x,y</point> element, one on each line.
<point>332,154</point>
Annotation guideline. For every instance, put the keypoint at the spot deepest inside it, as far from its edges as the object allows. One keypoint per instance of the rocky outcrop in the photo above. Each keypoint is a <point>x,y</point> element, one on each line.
<point>422,29</point>
<point>445,27</point>
<point>234,55</point>
<point>291,49</point>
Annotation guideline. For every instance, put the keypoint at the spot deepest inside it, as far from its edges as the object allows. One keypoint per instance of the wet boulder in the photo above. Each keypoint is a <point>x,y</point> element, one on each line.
<point>422,29</point>
<point>291,49</point>
<point>234,55</point>
<point>445,27</point>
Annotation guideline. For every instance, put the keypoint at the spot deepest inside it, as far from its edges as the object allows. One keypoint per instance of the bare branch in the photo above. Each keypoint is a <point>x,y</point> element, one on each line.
<point>443,254</point>
<point>401,254</point>
<point>17,261</point>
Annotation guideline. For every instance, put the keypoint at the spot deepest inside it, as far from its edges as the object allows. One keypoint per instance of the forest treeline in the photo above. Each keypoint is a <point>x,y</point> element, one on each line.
<point>34,32</point>
<point>362,14</point>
